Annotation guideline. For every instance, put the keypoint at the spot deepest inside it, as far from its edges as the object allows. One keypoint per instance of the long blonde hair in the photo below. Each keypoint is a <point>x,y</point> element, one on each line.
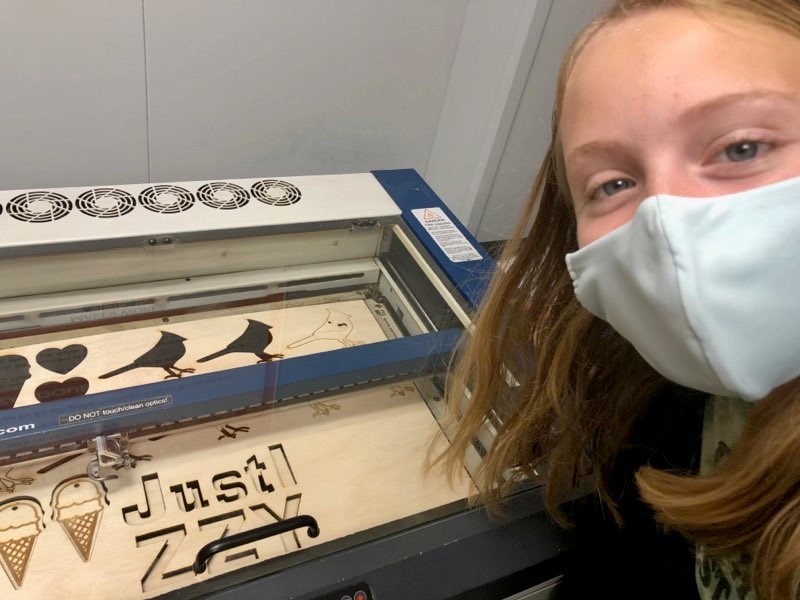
<point>579,388</point>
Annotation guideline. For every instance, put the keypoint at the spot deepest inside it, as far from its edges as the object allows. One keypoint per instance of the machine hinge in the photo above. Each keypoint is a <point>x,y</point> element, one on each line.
<point>363,224</point>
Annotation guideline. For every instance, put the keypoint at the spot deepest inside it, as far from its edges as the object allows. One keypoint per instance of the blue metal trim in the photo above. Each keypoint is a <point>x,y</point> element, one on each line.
<point>409,191</point>
<point>43,425</point>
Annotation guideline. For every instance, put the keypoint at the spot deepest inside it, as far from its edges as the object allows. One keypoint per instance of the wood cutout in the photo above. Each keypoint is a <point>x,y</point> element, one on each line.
<point>58,390</point>
<point>15,370</point>
<point>229,431</point>
<point>232,523</point>
<point>358,468</point>
<point>127,354</point>
<point>62,360</point>
<point>157,574</point>
<point>57,463</point>
<point>321,408</point>
<point>279,458</point>
<point>21,523</point>
<point>337,327</point>
<point>9,484</point>
<point>168,350</point>
<point>254,340</point>
<point>291,508</point>
<point>134,460</point>
<point>153,502</point>
<point>78,507</point>
<point>401,390</point>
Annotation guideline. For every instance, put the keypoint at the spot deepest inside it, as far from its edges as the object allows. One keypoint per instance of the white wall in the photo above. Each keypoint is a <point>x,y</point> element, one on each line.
<point>123,91</point>
<point>496,48</point>
<point>243,88</point>
<point>524,148</point>
<point>73,108</point>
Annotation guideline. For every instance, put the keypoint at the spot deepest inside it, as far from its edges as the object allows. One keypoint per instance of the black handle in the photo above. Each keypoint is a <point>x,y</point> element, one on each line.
<point>253,535</point>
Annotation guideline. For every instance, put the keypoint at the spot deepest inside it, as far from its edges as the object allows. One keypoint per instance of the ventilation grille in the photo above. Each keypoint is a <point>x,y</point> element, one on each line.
<point>105,203</point>
<point>275,192</point>
<point>223,195</point>
<point>44,206</point>
<point>166,199</point>
<point>44,221</point>
<point>39,207</point>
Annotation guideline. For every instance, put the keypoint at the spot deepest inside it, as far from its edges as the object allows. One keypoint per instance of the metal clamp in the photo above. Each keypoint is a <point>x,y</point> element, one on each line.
<point>110,452</point>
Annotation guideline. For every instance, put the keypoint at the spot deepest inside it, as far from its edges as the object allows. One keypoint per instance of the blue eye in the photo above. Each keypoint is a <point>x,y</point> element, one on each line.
<point>614,186</point>
<point>742,151</point>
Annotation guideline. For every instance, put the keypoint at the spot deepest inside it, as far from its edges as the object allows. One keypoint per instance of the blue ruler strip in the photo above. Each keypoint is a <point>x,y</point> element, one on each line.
<point>77,419</point>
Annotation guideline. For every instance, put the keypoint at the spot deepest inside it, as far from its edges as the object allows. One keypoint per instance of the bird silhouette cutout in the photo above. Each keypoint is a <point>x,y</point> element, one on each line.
<point>255,340</point>
<point>337,327</point>
<point>168,350</point>
<point>15,370</point>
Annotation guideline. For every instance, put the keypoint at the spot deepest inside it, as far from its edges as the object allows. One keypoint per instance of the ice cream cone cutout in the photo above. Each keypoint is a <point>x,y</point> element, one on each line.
<point>21,522</point>
<point>78,506</point>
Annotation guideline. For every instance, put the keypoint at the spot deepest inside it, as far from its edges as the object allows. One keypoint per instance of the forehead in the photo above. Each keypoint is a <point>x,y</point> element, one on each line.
<point>653,64</point>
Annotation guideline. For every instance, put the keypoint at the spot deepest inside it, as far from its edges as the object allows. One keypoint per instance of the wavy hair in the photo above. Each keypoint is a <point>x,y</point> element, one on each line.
<point>563,391</point>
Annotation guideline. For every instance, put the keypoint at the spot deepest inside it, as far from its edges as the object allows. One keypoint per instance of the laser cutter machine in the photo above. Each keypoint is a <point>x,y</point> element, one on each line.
<point>228,389</point>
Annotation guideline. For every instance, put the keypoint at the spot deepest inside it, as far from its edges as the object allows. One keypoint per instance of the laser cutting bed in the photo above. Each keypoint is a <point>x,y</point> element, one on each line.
<point>228,389</point>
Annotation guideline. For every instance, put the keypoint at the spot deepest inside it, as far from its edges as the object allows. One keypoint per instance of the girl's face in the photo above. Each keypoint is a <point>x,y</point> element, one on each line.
<point>670,102</point>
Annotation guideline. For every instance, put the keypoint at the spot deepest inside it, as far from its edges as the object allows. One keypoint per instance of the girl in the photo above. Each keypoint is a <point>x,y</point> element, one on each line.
<point>661,244</point>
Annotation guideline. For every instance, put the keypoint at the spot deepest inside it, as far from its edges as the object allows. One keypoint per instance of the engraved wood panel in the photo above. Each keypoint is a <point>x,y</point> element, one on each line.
<point>352,461</point>
<point>44,369</point>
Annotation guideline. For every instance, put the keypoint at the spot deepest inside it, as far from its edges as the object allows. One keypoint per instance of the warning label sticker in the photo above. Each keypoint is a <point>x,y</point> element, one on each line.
<point>110,411</point>
<point>446,234</point>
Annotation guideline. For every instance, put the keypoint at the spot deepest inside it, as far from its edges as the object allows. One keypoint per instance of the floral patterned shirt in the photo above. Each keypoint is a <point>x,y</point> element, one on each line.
<point>722,579</point>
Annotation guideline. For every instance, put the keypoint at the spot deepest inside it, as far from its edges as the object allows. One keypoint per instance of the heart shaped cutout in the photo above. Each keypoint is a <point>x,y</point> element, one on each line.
<point>62,360</point>
<point>58,390</point>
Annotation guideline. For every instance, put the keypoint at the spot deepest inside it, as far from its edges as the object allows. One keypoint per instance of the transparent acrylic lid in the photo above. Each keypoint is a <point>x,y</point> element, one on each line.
<point>329,442</point>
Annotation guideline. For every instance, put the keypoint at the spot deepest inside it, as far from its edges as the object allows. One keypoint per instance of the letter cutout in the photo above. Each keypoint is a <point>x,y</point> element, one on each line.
<point>184,503</point>
<point>256,470</point>
<point>157,575</point>
<point>291,508</point>
<point>233,524</point>
<point>282,466</point>
<point>219,483</point>
<point>153,502</point>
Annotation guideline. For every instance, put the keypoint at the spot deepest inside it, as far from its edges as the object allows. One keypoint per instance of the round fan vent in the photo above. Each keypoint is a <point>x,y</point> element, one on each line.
<point>223,195</point>
<point>167,199</point>
<point>105,203</point>
<point>39,207</point>
<point>276,192</point>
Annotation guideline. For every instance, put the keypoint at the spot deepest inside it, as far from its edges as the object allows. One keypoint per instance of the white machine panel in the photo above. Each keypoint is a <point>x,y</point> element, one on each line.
<point>52,216</point>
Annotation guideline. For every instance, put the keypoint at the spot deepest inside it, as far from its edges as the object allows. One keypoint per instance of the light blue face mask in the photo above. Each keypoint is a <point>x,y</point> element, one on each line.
<point>706,289</point>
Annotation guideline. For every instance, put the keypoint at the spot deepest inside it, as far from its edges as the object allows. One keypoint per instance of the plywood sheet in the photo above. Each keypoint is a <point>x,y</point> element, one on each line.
<point>118,356</point>
<point>352,461</point>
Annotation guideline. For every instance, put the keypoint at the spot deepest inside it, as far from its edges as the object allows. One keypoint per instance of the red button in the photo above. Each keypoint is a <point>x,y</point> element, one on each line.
<point>359,595</point>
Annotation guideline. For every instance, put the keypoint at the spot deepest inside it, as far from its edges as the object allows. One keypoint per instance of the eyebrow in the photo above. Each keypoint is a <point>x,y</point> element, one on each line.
<point>695,113</point>
<point>699,111</point>
<point>596,147</point>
